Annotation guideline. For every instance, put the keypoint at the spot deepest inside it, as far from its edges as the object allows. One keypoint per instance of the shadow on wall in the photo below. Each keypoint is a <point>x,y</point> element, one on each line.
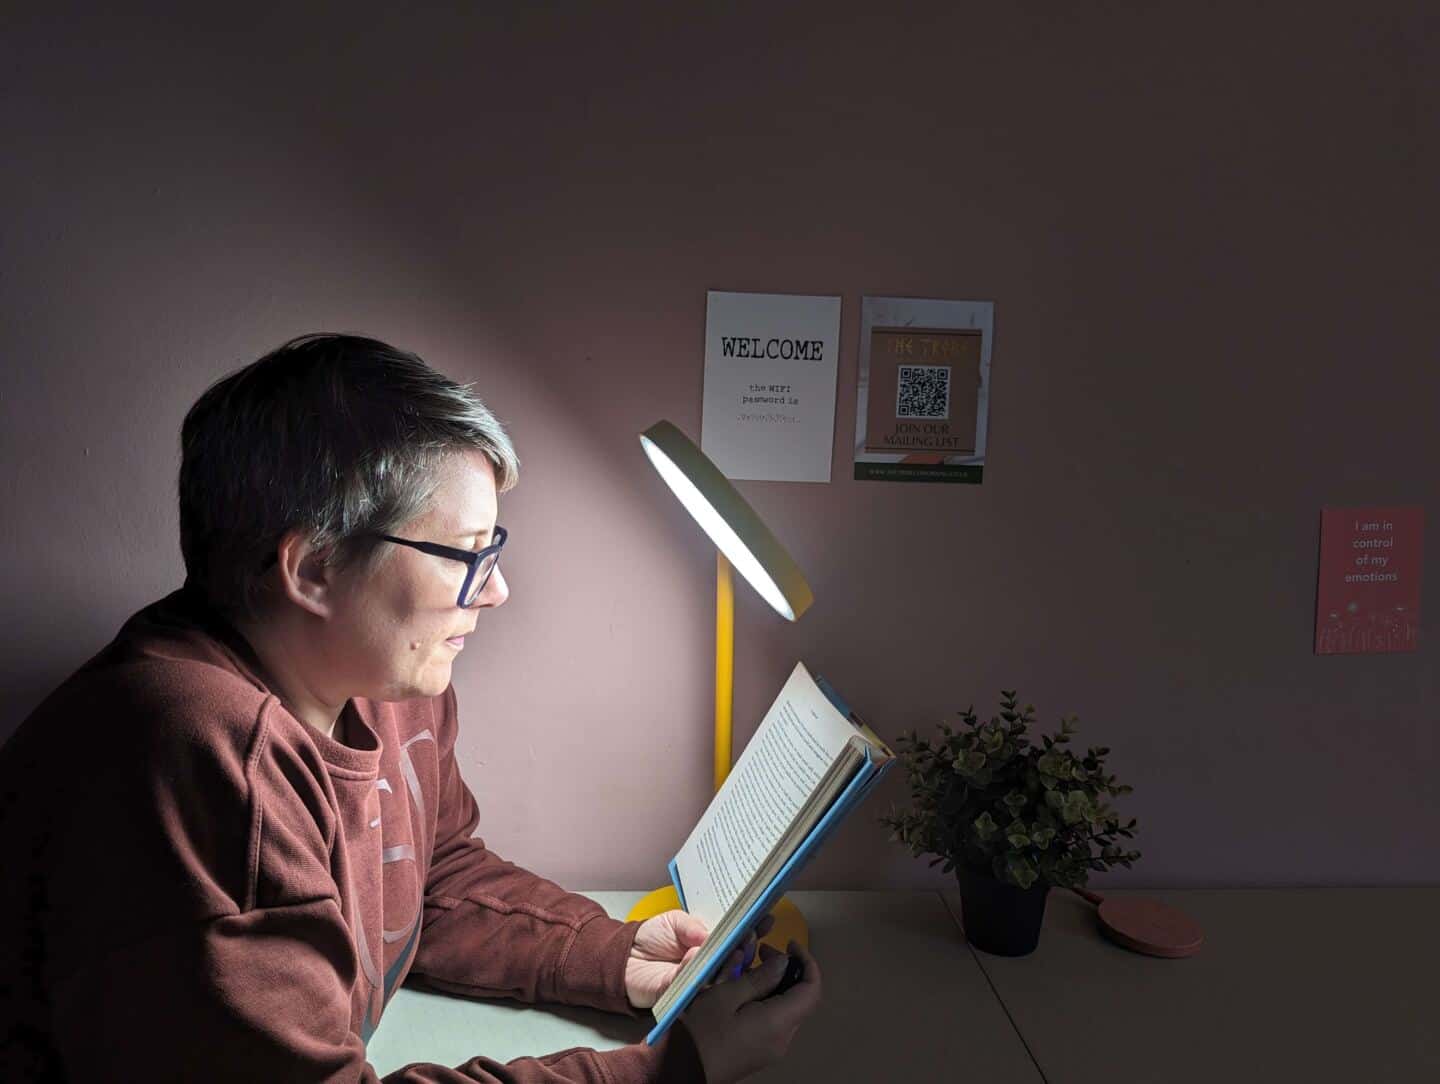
<point>55,628</point>
<point>26,680</point>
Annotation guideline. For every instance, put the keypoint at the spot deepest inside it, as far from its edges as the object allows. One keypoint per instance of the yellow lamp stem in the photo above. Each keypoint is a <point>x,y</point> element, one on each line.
<point>724,665</point>
<point>789,922</point>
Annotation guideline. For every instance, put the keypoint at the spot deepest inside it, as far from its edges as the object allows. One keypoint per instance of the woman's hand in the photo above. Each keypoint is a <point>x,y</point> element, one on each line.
<point>737,1030</point>
<point>665,943</point>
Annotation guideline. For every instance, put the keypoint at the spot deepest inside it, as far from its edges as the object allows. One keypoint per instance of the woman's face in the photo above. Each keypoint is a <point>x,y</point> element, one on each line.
<point>397,629</point>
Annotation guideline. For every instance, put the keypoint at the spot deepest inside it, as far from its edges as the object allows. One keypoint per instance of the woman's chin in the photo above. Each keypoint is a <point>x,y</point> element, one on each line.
<point>436,680</point>
<point>433,681</point>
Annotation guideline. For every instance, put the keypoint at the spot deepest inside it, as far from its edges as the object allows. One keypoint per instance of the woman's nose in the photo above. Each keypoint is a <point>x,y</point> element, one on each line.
<point>496,590</point>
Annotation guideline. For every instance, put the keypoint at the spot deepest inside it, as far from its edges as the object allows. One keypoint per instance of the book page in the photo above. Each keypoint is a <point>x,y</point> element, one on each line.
<point>799,739</point>
<point>724,935</point>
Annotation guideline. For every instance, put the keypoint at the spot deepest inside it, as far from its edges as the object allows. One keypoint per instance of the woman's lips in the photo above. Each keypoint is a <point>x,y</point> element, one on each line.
<point>457,642</point>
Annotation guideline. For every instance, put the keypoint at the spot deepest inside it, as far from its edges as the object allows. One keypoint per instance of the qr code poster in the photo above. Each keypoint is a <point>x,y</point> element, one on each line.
<point>923,390</point>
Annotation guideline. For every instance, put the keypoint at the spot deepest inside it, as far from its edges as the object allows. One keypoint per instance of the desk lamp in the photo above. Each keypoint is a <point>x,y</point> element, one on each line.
<point>744,542</point>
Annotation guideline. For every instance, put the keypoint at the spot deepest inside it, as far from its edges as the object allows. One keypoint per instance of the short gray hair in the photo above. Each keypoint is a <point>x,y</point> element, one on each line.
<point>336,435</point>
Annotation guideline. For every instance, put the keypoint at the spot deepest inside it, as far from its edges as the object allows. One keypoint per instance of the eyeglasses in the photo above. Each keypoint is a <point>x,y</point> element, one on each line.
<point>482,562</point>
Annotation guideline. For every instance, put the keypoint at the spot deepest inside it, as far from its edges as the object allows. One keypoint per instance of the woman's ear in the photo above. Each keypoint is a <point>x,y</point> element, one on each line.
<point>305,576</point>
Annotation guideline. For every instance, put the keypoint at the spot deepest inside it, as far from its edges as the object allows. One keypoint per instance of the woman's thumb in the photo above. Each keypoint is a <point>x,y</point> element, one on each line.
<point>689,930</point>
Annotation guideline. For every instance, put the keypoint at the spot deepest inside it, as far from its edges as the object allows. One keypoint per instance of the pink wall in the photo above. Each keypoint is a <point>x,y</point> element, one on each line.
<point>1211,247</point>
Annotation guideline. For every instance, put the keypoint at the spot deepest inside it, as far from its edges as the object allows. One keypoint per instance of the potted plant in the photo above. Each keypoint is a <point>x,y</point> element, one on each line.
<point>1013,819</point>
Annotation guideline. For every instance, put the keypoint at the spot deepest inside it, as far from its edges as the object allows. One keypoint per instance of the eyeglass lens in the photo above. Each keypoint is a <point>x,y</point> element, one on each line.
<point>480,578</point>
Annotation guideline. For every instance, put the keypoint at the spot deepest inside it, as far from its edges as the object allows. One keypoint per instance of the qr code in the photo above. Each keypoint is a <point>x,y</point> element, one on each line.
<point>923,392</point>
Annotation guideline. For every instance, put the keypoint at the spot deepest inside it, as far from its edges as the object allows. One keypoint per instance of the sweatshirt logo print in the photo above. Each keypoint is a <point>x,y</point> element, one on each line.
<point>408,931</point>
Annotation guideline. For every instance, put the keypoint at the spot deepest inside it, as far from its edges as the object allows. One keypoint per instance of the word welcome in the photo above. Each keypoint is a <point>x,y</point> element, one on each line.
<point>734,346</point>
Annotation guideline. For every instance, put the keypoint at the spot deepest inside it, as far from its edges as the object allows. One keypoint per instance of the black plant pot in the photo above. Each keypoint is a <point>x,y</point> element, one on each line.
<point>998,917</point>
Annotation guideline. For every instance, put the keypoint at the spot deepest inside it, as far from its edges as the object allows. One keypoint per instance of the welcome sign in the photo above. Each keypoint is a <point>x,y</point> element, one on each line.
<point>770,369</point>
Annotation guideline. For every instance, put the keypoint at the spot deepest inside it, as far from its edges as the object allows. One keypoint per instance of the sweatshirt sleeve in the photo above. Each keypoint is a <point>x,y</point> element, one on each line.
<point>188,963</point>
<point>493,929</point>
<point>258,996</point>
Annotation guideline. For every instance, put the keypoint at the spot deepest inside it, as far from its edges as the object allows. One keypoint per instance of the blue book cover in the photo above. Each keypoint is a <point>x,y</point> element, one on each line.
<point>866,776</point>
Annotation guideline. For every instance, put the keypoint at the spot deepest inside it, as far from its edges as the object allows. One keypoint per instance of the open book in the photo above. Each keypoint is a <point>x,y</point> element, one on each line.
<point>810,762</point>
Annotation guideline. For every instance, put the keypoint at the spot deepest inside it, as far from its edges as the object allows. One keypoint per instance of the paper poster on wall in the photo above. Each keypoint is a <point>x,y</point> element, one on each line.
<point>770,370</point>
<point>1369,595</point>
<point>923,395</point>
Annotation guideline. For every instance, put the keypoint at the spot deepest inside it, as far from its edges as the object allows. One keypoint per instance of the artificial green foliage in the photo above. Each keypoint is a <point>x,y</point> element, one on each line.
<point>986,798</point>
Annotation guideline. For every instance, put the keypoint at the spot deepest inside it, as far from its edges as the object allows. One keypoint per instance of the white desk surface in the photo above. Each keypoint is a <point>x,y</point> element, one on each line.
<point>904,1000</point>
<point>1311,984</point>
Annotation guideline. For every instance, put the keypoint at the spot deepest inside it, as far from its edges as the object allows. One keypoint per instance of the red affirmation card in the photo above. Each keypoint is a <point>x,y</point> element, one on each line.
<point>1369,597</point>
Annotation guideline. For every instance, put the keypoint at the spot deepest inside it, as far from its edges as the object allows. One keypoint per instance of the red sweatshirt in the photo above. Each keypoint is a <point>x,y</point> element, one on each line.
<point>195,885</point>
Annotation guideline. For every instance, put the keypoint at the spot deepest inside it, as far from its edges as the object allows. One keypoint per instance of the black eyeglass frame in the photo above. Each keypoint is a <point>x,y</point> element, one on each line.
<point>472,558</point>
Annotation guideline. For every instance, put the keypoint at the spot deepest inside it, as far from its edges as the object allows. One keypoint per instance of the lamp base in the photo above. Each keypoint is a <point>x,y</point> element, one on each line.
<point>789,925</point>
